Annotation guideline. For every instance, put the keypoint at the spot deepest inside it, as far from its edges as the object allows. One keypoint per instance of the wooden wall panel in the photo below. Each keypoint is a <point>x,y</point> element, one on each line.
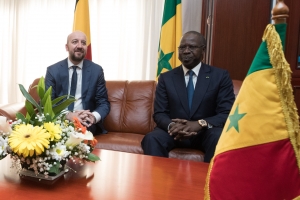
<point>238,26</point>
<point>292,50</point>
<point>297,96</point>
<point>293,36</point>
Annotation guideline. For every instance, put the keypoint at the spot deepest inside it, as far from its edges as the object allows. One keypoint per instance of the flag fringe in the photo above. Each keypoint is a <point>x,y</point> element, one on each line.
<point>206,188</point>
<point>297,198</point>
<point>283,81</point>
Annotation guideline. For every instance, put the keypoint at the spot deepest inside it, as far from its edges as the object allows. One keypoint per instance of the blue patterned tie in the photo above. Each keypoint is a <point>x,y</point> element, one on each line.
<point>73,87</point>
<point>190,88</point>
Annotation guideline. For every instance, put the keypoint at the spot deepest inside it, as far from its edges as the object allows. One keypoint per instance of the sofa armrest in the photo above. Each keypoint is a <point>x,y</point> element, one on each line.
<point>10,110</point>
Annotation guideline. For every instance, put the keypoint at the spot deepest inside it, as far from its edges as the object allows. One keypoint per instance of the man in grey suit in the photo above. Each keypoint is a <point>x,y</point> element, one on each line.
<point>192,103</point>
<point>83,79</point>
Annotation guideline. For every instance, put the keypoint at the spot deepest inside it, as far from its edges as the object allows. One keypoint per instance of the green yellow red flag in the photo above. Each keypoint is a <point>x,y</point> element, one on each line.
<point>82,23</point>
<point>257,156</point>
<point>170,35</point>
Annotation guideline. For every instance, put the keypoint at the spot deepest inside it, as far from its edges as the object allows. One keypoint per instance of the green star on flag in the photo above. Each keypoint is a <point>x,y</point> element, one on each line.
<point>163,61</point>
<point>235,118</point>
<point>170,35</point>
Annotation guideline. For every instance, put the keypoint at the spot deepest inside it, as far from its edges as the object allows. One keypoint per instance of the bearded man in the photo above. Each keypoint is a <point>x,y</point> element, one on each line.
<point>83,79</point>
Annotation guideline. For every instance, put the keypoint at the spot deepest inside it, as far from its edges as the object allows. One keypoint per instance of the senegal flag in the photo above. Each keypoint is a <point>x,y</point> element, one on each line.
<point>82,23</point>
<point>170,35</point>
<point>257,156</point>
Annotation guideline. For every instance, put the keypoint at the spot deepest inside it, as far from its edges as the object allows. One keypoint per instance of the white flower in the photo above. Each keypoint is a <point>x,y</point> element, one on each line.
<point>76,138</point>
<point>59,152</point>
<point>3,146</point>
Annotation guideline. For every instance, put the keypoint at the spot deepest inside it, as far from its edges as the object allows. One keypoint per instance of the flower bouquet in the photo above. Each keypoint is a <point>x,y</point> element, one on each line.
<point>43,140</point>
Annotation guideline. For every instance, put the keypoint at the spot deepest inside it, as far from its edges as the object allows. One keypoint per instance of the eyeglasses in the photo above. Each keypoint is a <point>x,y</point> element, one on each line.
<point>190,48</point>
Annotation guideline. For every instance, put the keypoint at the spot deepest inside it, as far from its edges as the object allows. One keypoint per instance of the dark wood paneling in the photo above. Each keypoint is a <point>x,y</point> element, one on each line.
<point>204,16</point>
<point>296,88</point>
<point>292,50</point>
<point>297,97</point>
<point>238,26</point>
<point>237,29</point>
<point>293,36</point>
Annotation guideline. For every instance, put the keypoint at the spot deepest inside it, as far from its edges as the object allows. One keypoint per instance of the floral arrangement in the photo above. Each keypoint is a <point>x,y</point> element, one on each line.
<point>43,140</point>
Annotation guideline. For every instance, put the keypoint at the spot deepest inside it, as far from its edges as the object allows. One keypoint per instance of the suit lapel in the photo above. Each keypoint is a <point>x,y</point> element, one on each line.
<point>86,73</point>
<point>203,81</point>
<point>180,87</point>
<point>64,77</point>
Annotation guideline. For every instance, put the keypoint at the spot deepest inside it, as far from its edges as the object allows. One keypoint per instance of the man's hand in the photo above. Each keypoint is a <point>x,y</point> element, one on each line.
<point>89,118</point>
<point>183,129</point>
<point>182,135</point>
<point>85,117</point>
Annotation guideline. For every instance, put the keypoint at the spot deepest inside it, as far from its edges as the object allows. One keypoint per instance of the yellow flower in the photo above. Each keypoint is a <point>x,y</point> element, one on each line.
<point>54,130</point>
<point>27,139</point>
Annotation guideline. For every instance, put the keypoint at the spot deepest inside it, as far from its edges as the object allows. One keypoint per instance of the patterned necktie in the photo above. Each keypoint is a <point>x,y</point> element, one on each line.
<point>73,87</point>
<point>190,88</point>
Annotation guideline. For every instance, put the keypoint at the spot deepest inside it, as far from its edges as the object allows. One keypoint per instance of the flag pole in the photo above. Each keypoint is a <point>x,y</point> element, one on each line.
<point>280,12</point>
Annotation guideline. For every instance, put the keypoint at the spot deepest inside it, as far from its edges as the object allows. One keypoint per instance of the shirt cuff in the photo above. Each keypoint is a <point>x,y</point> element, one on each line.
<point>170,124</point>
<point>97,116</point>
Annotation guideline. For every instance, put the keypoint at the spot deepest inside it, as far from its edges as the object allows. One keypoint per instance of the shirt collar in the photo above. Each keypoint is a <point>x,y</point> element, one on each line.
<point>195,69</point>
<point>70,64</point>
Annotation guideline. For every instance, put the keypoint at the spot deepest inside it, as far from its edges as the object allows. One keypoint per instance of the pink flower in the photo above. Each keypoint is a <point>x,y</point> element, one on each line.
<point>4,125</point>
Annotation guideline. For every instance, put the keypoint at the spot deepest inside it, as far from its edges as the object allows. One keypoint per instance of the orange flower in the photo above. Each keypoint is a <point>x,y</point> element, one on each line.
<point>91,142</point>
<point>78,125</point>
<point>94,142</point>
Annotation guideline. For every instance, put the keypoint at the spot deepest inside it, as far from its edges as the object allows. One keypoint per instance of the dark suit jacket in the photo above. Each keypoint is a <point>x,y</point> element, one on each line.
<point>94,93</point>
<point>212,100</point>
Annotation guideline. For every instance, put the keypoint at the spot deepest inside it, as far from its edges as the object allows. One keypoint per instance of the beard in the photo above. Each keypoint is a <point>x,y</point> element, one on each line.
<point>77,58</point>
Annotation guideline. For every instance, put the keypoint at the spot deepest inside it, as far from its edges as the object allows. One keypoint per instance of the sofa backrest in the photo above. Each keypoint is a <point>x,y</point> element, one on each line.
<point>131,105</point>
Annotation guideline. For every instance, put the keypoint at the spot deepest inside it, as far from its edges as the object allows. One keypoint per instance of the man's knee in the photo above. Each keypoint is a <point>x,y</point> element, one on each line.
<point>156,143</point>
<point>215,134</point>
<point>150,138</point>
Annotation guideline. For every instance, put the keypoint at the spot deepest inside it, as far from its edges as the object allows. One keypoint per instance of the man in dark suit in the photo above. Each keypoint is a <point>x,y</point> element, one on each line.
<point>86,79</point>
<point>192,103</point>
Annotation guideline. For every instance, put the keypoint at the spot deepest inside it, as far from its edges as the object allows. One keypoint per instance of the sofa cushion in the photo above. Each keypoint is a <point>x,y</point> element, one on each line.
<point>125,142</point>
<point>187,154</point>
<point>131,143</point>
<point>131,105</point>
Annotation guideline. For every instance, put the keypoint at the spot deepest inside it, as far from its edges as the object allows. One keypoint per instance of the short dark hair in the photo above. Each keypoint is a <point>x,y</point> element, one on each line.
<point>201,37</point>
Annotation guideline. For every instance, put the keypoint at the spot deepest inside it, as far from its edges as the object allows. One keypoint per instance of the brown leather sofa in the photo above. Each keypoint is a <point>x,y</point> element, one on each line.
<point>130,117</point>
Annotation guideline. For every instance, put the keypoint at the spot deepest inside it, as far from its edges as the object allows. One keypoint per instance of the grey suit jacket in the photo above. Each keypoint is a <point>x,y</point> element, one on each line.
<point>94,93</point>
<point>212,100</point>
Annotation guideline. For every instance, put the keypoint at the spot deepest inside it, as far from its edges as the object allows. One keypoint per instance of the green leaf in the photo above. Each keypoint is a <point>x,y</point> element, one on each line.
<point>28,117</point>
<point>29,108</point>
<point>58,114</point>
<point>93,157</point>
<point>21,117</point>
<point>2,156</point>
<point>48,112</point>
<point>41,88</point>
<point>58,108</point>
<point>58,99</point>
<point>55,168</point>
<point>29,98</point>
<point>46,95</point>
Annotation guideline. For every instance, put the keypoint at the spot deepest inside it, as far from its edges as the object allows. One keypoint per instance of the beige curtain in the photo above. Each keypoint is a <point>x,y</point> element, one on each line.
<point>124,35</point>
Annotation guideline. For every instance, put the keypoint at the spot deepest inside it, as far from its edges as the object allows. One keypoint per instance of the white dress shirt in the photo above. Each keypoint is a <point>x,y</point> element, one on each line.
<point>186,74</point>
<point>78,102</point>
